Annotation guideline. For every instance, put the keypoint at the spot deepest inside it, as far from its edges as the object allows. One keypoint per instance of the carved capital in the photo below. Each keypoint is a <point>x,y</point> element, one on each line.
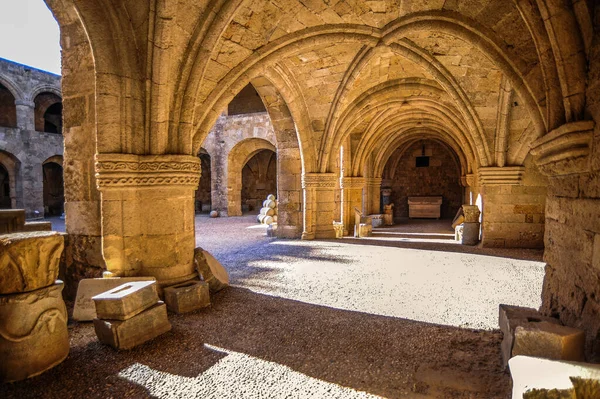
<point>319,180</point>
<point>565,150</point>
<point>468,180</point>
<point>128,171</point>
<point>508,175</point>
<point>352,182</point>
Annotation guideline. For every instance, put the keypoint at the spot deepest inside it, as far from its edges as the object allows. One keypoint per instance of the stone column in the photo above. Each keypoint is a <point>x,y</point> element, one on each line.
<point>373,201</point>
<point>25,115</point>
<point>513,210</point>
<point>352,197</point>
<point>147,204</point>
<point>569,157</point>
<point>319,205</point>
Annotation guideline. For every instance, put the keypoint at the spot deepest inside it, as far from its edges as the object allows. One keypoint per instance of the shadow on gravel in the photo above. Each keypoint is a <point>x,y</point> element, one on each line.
<point>385,356</point>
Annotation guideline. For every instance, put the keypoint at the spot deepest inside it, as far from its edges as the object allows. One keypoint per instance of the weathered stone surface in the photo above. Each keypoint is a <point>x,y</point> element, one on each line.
<point>471,213</point>
<point>550,341</point>
<point>511,317</point>
<point>129,333</point>
<point>29,261</point>
<point>187,297</point>
<point>212,272</point>
<point>33,332</point>
<point>126,300</point>
<point>84,307</point>
<point>535,378</point>
<point>470,233</point>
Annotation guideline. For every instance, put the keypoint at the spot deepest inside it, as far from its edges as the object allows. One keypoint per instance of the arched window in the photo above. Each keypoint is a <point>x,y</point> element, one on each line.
<point>48,113</point>
<point>5,201</point>
<point>8,108</point>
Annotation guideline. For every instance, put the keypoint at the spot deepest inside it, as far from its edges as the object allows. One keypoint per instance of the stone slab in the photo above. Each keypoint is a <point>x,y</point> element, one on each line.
<point>84,308</point>
<point>126,300</point>
<point>549,341</point>
<point>33,332</point>
<point>530,373</point>
<point>211,270</point>
<point>510,317</point>
<point>135,331</point>
<point>29,261</point>
<point>37,226</point>
<point>187,297</point>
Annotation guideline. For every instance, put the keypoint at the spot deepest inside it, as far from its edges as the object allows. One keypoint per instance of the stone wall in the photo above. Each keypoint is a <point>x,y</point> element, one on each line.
<point>440,178</point>
<point>23,150</point>
<point>572,282</point>
<point>223,137</point>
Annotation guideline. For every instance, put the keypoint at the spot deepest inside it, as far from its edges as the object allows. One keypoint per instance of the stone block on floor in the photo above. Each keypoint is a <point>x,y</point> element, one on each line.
<point>187,297</point>
<point>549,341</point>
<point>211,270</point>
<point>470,233</point>
<point>34,336</point>
<point>84,308</point>
<point>126,334</point>
<point>29,261</point>
<point>542,378</point>
<point>126,300</point>
<point>511,317</point>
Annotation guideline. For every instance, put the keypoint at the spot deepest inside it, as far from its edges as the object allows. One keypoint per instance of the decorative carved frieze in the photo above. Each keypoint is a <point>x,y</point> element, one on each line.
<point>565,150</point>
<point>352,182</point>
<point>319,180</point>
<point>127,170</point>
<point>508,175</point>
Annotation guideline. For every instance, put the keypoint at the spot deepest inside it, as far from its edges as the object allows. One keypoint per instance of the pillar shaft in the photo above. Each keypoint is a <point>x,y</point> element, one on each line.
<point>373,200</point>
<point>147,205</point>
<point>352,197</point>
<point>319,205</point>
<point>25,115</point>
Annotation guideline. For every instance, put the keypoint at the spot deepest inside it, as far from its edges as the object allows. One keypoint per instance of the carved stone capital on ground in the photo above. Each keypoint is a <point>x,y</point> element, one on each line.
<point>565,150</point>
<point>471,213</point>
<point>319,180</point>
<point>352,182</point>
<point>118,171</point>
<point>494,176</point>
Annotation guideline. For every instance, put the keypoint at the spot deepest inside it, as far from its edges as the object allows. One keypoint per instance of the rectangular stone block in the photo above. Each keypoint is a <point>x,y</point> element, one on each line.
<point>126,300</point>
<point>84,308</point>
<point>549,341</point>
<point>135,331</point>
<point>187,297</point>
<point>510,318</point>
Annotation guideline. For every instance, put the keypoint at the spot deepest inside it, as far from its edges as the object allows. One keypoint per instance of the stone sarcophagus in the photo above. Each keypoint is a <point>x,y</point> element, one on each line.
<point>424,207</point>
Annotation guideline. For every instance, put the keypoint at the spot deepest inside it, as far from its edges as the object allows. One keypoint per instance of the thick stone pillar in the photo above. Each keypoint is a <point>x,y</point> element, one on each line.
<point>571,291</point>
<point>147,204</point>
<point>25,114</point>
<point>373,194</point>
<point>352,197</point>
<point>319,205</point>
<point>512,206</point>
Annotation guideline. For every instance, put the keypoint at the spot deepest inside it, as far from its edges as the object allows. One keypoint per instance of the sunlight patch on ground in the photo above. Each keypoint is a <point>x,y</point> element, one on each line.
<point>238,375</point>
<point>456,289</point>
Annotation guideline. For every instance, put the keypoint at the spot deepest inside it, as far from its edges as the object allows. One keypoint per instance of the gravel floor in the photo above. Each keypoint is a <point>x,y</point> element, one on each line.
<point>406,313</point>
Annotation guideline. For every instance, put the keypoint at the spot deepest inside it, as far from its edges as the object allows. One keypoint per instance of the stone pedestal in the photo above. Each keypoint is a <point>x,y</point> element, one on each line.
<point>373,195</point>
<point>33,332</point>
<point>319,205</point>
<point>148,215</point>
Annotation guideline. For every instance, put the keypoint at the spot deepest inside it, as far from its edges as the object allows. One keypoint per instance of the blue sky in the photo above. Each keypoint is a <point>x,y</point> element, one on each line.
<point>29,34</point>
